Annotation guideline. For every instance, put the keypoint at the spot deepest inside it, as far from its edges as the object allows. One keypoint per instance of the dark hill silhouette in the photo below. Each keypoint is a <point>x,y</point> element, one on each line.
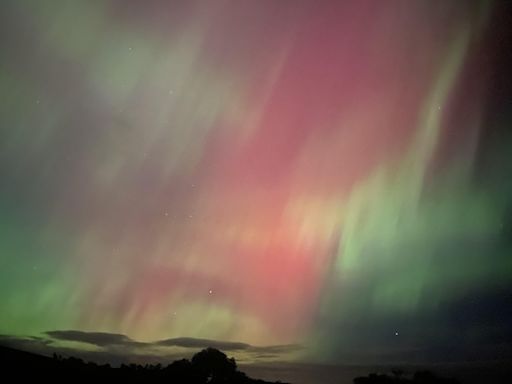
<point>208,366</point>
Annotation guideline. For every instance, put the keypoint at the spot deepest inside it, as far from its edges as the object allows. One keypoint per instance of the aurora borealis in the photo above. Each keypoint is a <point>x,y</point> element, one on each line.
<point>330,174</point>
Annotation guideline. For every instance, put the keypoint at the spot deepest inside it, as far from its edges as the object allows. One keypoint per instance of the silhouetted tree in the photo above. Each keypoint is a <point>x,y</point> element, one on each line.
<point>214,365</point>
<point>398,373</point>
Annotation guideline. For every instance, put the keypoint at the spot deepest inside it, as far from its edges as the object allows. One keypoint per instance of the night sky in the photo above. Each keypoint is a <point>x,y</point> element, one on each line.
<point>321,181</point>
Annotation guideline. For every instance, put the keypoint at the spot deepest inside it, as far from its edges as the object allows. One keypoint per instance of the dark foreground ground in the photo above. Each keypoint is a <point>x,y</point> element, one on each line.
<point>466,373</point>
<point>213,367</point>
<point>208,366</point>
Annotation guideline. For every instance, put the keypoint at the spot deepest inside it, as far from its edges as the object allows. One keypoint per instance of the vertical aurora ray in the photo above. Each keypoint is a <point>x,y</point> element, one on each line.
<point>266,172</point>
<point>390,198</point>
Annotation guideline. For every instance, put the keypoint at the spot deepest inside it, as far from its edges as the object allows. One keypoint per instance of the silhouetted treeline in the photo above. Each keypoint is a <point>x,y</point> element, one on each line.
<point>208,366</point>
<point>399,377</point>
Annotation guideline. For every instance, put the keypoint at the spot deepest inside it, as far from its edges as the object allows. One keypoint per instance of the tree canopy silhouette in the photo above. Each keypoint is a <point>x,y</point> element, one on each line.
<point>214,365</point>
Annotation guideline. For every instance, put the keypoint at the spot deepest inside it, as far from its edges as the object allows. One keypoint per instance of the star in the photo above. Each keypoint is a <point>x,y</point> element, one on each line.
<point>210,291</point>
<point>396,333</point>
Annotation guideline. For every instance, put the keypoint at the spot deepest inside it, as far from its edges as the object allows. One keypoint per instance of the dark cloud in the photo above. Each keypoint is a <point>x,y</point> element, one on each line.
<point>100,339</point>
<point>277,349</point>
<point>24,342</point>
<point>256,351</point>
<point>190,342</point>
<point>104,339</point>
<point>48,347</point>
<point>116,348</point>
